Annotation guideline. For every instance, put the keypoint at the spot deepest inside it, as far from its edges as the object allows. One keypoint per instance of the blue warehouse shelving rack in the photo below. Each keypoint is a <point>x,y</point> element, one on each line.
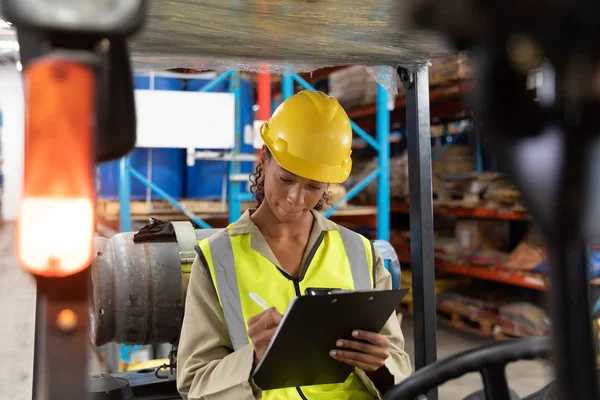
<point>234,158</point>
<point>234,193</point>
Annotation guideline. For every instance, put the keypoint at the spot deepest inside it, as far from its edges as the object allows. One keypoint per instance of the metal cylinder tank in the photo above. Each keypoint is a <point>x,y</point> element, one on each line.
<point>136,291</point>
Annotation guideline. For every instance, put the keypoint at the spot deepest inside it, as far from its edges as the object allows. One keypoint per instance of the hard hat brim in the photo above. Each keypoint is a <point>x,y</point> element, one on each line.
<point>310,170</point>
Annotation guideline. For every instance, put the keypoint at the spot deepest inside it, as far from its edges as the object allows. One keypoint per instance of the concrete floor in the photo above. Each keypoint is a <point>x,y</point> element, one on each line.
<point>524,377</point>
<point>17,316</point>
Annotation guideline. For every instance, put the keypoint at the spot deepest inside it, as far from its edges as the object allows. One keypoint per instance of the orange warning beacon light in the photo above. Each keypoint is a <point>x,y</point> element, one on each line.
<point>57,211</point>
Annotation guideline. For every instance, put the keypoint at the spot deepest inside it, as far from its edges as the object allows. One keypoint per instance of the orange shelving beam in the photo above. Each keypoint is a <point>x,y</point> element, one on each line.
<point>468,212</point>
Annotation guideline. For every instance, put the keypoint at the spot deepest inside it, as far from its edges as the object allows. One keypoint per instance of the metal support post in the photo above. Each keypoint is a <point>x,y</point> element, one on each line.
<point>383,183</point>
<point>577,377</point>
<point>421,216</point>
<point>234,187</point>
<point>61,337</point>
<point>124,196</point>
<point>287,86</point>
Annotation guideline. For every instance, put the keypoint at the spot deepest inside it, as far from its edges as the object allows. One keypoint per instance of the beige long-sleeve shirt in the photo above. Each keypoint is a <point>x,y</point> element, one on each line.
<point>208,368</point>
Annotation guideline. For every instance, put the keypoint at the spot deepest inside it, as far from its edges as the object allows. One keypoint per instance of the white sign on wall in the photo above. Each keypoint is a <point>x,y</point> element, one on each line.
<point>185,119</point>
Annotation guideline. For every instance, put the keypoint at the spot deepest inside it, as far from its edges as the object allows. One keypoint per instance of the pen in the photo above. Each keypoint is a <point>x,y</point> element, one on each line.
<point>259,300</point>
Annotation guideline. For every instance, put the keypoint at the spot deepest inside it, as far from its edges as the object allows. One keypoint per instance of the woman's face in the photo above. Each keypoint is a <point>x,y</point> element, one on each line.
<point>289,196</point>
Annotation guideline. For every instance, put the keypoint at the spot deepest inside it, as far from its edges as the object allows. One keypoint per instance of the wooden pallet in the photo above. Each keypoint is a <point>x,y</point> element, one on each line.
<point>479,326</point>
<point>109,209</point>
<point>502,333</point>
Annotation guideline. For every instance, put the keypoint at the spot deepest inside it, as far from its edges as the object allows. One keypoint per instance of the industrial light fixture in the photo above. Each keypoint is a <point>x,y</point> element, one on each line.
<point>76,74</point>
<point>56,222</point>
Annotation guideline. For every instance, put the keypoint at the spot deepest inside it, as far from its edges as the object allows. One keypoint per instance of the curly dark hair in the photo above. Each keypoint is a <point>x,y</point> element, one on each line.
<point>257,182</point>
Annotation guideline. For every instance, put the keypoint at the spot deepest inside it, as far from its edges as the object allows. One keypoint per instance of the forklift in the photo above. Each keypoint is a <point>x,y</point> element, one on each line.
<point>78,49</point>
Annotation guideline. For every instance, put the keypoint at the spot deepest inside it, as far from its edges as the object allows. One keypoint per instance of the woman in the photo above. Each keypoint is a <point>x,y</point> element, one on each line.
<point>277,251</point>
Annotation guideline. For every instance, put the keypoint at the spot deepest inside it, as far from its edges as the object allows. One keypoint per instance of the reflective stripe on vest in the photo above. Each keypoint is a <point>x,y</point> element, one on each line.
<point>355,249</point>
<point>225,277</point>
<point>228,290</point>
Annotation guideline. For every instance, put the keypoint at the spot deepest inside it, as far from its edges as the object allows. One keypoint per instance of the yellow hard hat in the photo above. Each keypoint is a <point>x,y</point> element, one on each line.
<point>310,135</point>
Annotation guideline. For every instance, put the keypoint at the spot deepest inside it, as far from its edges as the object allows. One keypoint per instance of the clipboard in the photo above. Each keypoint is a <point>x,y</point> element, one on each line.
<point>298,354</point>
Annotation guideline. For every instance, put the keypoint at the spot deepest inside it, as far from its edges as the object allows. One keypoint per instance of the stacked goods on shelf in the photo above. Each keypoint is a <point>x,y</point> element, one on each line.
<point>446,248</point>
<point>475,242</point>
<point>482,243</point>
<point>470,305</point>
<point>530,253</point>
<point>454,184</point>
<point>523,319</point>
<point>500,193</point>
<point>399,187</point>
<point>468,313</point>
<point>492,312</point>
<point>456,159</point>
<point>490,190</point>
<point>448,69</point>
<point>353,86</point>
<point>398,179</point>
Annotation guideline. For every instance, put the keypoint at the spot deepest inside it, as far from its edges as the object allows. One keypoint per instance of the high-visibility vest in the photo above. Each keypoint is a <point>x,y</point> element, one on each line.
<point>340,259</point>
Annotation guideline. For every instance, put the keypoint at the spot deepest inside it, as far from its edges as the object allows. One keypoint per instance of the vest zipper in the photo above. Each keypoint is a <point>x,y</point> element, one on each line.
<point>301,394</point>
<point>311,255</point>
<point>296,281</point>
<point>297,286</point>
<point>305,266</point>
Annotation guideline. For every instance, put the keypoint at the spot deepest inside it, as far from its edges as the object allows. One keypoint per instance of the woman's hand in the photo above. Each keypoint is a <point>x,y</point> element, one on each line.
<point>368,353</point>
<point>261,328</point>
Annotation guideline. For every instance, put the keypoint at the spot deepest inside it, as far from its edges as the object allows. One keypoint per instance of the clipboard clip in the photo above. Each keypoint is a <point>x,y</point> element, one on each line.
<point>323,291</point>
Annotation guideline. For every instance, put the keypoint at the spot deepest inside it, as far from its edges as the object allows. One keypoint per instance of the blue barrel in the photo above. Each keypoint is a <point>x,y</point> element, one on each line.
<point>167,166</point>
<point>205,179</point>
